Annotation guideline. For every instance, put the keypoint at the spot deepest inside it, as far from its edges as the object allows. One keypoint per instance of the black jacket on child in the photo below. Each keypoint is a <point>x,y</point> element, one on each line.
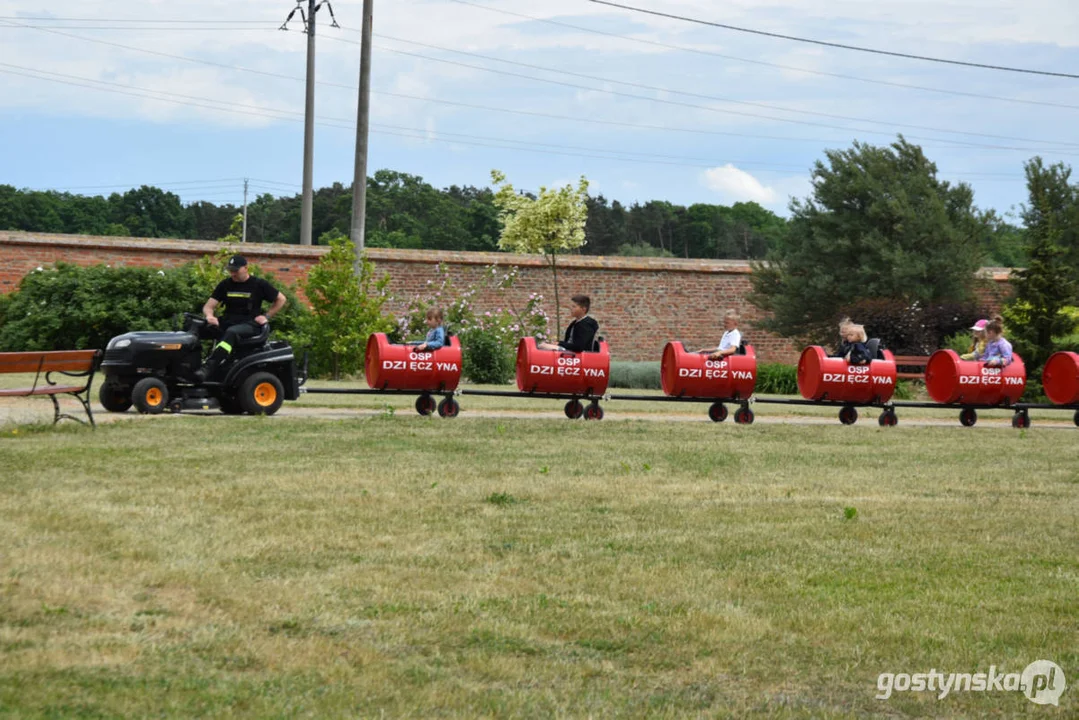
<point>859,353</point>
<point>580,334</point>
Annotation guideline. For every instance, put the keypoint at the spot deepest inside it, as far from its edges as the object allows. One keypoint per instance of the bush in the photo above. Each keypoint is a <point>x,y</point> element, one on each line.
<point>777,379</point>
<point>68,307</point>
<point>635,375</point>
<point>345,310</point>
<point>504,325</point>
<point>485,359</point>
<point>911,329</point>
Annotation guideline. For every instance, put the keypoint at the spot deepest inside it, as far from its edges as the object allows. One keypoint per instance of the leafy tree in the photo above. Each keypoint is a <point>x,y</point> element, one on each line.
<point>878,224</point>
<point>1046,287</point>
<point>344,310</point>
<point>551,223</point>
<point>150,212</point>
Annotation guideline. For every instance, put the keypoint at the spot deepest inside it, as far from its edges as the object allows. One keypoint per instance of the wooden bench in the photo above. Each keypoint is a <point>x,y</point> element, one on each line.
<point>911,361</point>
<point>80,364</point>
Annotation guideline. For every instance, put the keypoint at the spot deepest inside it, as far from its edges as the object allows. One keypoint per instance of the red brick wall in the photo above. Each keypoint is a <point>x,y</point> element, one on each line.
<point>640,303</point>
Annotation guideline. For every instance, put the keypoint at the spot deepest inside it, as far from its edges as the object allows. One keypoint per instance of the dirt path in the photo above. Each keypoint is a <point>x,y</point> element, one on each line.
<point>24,411</point>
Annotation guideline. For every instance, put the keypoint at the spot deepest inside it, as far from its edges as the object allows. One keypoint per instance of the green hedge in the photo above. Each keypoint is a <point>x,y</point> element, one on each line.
<point>776,379</point>
<point>635,375</point>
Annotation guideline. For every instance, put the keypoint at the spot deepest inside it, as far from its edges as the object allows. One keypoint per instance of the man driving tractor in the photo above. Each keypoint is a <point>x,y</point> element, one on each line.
<point>242,295</point>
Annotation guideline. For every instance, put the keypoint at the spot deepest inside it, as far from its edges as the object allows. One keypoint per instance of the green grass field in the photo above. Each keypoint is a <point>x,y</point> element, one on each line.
<point>403,566</point>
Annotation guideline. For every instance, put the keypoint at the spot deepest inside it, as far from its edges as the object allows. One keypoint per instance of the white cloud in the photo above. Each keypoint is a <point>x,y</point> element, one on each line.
<point>735,185</point>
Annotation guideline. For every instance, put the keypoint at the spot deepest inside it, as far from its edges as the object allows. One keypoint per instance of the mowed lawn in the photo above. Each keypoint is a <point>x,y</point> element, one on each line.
<point>402,566</point>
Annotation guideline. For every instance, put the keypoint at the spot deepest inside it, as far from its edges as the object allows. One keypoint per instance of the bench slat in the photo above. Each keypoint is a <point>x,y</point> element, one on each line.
<point>42,390</point>
<point>47,361</point>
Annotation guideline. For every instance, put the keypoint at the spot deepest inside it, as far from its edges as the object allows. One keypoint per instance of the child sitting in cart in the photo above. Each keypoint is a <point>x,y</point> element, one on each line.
<point>977,347</point>
<point>732,338</point>
<point>853,348</point>
<point>436,336</point>
<point>998,351</point>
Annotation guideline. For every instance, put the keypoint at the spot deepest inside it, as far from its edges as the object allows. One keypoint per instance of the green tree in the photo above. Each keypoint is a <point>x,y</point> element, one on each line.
<point>550,224</point>
<point>1046,287</point>
<point>878,224</point>
<point>344,310</point>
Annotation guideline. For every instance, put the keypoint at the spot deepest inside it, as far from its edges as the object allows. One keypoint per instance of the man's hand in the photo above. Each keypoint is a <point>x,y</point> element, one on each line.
<point>262,319</point>
<point>212,320</point>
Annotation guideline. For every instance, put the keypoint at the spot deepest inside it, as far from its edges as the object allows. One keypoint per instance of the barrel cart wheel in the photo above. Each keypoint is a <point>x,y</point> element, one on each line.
<point>425,404</point>
<point>717,412</point>
<point>848,415</point>
<point>743,416</point>
<point>574,409</point>
<point>448,408</point>
<point>1076,418</point>
<point>1021,420</point>
<point>593,411</point>
<point>968,416</point>
<point>888,418</point>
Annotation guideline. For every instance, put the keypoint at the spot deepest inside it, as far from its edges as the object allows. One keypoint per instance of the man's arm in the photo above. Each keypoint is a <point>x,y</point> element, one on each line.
<point>274,309</point>
<point>208,311</point>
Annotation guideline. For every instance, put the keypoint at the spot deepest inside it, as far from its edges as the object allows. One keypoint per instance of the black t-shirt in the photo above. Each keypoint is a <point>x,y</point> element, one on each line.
<point>244,299</point>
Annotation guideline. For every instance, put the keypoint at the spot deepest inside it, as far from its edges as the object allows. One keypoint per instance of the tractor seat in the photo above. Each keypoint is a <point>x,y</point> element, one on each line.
<point>255,341</point>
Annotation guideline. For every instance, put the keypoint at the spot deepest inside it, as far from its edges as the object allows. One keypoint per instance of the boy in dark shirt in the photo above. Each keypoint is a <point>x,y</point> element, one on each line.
<point>581,331</point>
<point>242,295</point>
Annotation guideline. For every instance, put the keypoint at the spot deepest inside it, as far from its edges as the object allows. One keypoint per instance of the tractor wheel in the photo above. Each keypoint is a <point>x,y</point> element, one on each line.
<point>261,394</point>
<point>114,398</point>
<point>150,396</point>
<point>717,412</point>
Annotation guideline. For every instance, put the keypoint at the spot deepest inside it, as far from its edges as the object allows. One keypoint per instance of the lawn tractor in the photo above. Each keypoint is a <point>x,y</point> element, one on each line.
<point>155,371</point>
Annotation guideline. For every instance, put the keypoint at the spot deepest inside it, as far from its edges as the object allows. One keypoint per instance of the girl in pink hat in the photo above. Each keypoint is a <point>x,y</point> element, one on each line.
<point>977,346</point>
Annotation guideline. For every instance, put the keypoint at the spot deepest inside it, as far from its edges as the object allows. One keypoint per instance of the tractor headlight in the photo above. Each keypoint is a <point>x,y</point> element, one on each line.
<point>119,344</point>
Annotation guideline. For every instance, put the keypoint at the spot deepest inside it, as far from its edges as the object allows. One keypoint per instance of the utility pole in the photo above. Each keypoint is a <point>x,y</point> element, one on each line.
<point>309,110</point>
<point>363,116</point>
<point>244,237</point>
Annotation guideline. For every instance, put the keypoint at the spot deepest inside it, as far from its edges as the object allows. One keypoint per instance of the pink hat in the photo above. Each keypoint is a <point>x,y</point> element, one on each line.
<point>980,325</point>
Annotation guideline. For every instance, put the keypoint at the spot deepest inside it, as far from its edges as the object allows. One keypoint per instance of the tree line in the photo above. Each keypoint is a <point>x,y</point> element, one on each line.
<point>404,211</point>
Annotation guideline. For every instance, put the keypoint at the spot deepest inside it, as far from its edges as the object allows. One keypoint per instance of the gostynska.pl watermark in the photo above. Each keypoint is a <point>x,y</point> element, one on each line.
<point>1042,682</point>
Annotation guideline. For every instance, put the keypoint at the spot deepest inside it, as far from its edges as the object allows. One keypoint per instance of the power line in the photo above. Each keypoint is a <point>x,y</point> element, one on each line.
<point>490,108</point>
<point>700,107</point>
<point>581,28</point>
<point>41,18</point>
<point>768,106</point>
<point>791,68</point>
<point>147,27</point>
<point>834,44</point>
<point>399,131</point>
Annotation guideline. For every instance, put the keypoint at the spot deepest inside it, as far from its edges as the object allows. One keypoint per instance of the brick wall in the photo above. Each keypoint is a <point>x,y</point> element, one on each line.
<point>641,303</point>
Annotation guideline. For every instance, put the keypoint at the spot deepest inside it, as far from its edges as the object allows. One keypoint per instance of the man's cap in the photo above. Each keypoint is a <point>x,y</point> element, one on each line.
<point>236,262</point>
<point>980,325</point>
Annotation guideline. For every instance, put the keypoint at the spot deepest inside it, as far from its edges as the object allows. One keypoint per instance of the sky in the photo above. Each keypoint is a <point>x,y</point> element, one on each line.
<point>97,97</point>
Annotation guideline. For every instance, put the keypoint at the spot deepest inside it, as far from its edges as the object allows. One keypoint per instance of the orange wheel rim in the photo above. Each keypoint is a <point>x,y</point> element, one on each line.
<point>265,394</point>
<point>153,396</point>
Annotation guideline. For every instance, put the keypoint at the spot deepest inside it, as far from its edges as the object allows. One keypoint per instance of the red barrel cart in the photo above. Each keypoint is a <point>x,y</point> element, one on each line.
<point>692,376</point>
<point>970,385</point>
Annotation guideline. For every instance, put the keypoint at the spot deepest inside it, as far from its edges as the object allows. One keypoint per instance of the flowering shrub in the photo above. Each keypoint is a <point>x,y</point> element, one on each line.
<point>488,336</point>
